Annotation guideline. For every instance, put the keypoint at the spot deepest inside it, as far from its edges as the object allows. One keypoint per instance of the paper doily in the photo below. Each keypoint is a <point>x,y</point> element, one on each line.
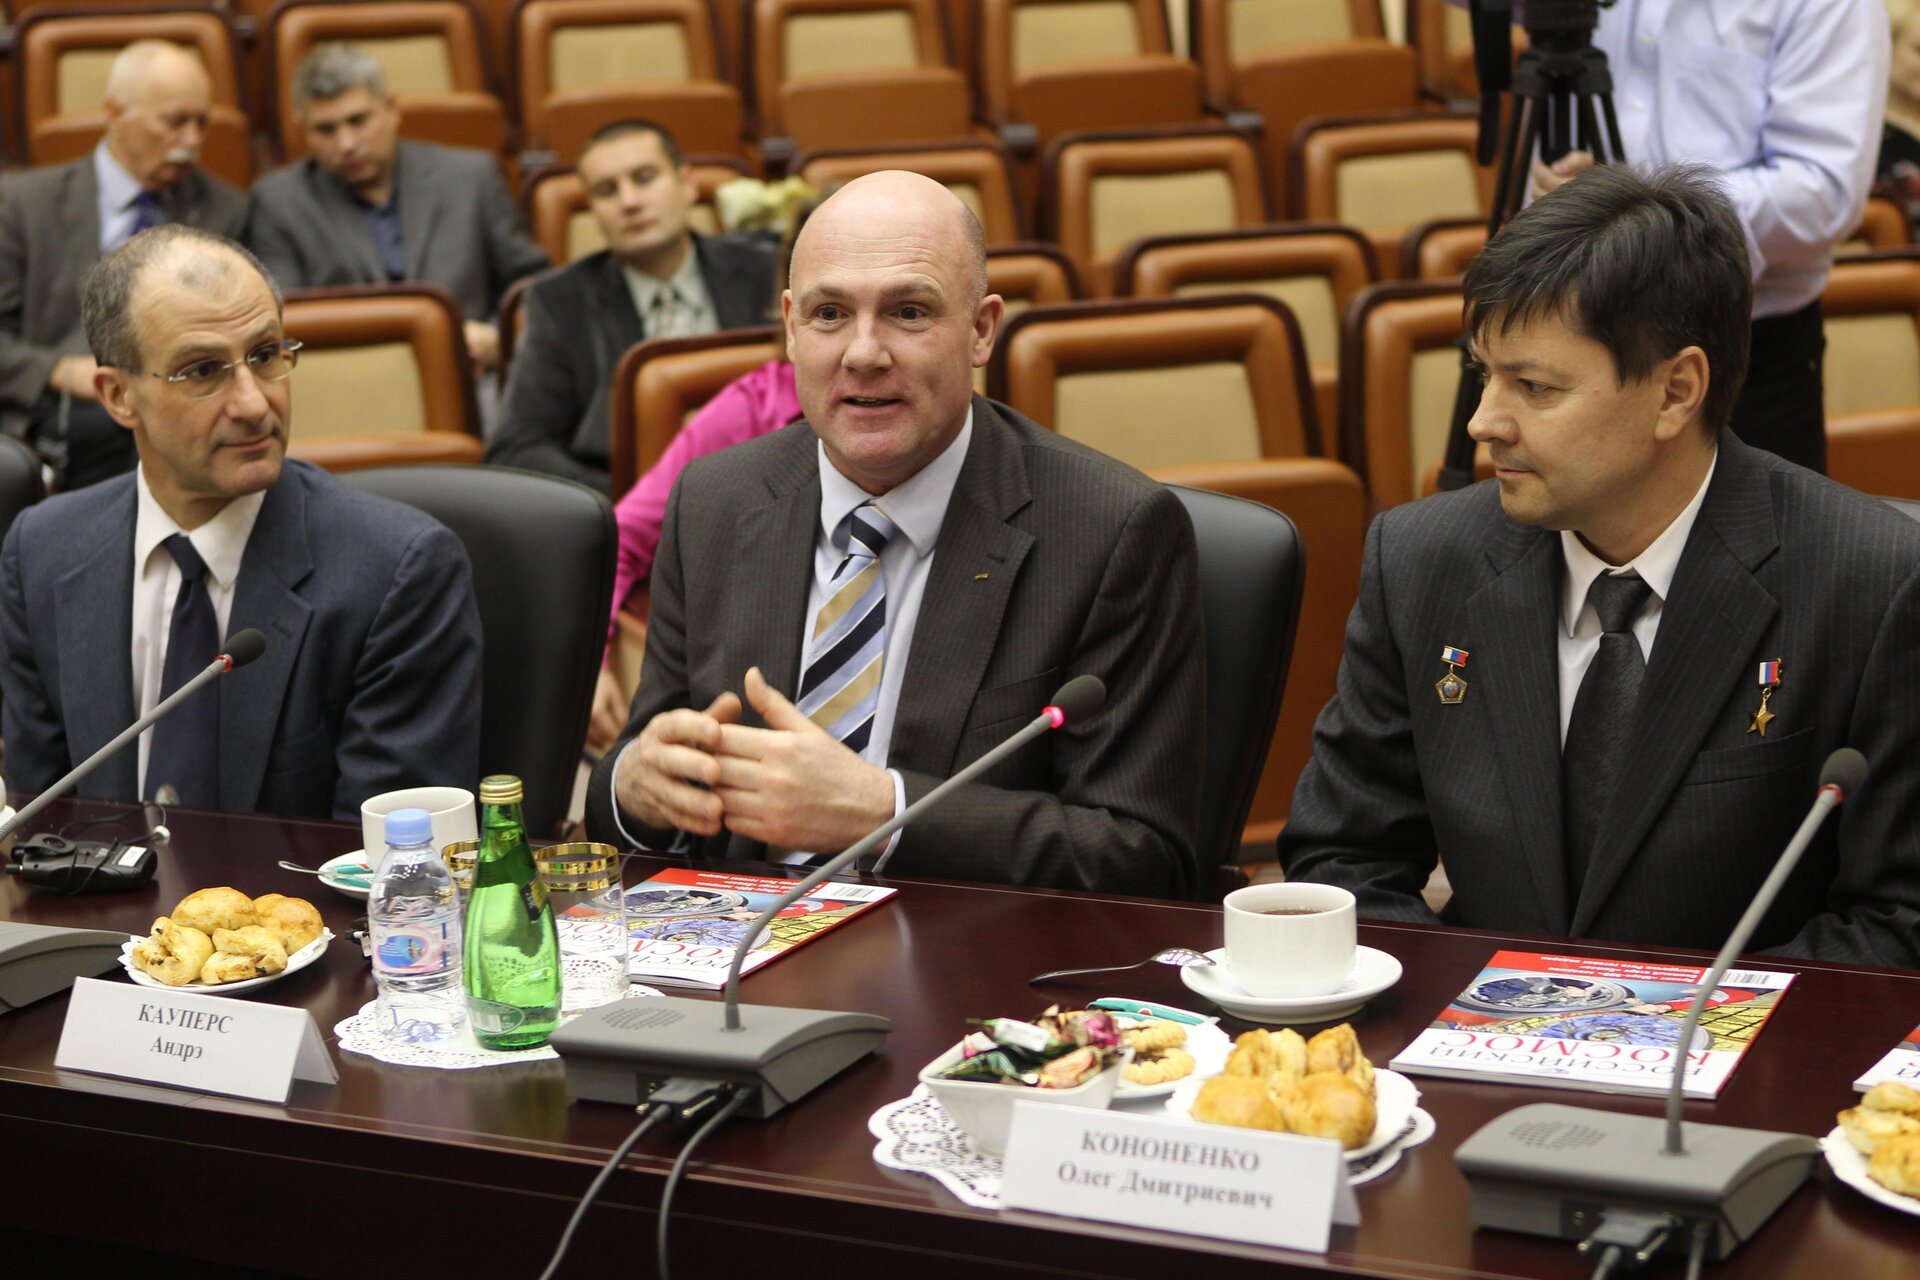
<point>916,1135</point>
<point>361,1034</point>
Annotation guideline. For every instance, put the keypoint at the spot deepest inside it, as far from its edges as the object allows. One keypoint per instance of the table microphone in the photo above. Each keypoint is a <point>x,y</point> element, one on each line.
<point>1635,1183</point>
<point>241,650</point>
<point>621,1051</point>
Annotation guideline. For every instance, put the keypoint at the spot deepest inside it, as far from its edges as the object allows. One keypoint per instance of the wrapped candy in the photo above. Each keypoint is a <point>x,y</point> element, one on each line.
<point>1058,1050</point>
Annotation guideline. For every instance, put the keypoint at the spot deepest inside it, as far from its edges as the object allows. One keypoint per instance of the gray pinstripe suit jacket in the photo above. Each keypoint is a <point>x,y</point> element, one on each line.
<point>1781,563</point>
<point>1053,561</point>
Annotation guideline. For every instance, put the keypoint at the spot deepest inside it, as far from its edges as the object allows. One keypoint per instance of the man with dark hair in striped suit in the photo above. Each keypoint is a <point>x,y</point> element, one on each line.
<point>1601,686</point>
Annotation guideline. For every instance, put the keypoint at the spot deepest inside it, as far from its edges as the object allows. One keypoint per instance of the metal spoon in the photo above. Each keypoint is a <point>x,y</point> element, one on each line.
<point>1179,957</point>
<point>338,873</point>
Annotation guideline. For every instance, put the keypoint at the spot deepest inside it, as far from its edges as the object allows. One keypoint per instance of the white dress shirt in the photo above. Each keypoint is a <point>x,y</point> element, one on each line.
<point>221,542</point>
<point>1579,635</point>
<point>689,313</point>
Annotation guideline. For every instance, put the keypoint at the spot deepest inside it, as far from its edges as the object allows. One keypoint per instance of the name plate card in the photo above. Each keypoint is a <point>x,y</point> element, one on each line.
<point>184,1040</point>
<point>1210,1180</point>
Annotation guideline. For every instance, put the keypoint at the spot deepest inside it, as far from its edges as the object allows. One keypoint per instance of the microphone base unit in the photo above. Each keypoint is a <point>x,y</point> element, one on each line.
<point>623,1051</point>
<point>41,960</point>
<point>1553,1170</point>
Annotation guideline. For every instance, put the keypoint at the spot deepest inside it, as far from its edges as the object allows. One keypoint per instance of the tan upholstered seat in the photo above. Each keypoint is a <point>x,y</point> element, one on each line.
<point>1315,268</point>
<point>1030,275</point>
<point>1399,376</point>
<point>582,64</point>
<point>384,377</point>
<point>1441,249</point>
<point>660,382</point>
<point>1872,373</point>
<point>974,169</point>
<point>1061,66</point>
<point>1105,191</point>
<point>1163,382</point>
<point>556,203</point>
<point>62,60</point>
<point>1883,225</point>
<point>855,73</point>
<point>429,49</point>
<point>1326,500</point>
<point>1386,174</point>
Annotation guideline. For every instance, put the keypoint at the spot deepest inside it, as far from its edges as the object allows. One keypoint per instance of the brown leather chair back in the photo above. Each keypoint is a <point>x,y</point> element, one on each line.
<point>1399,375</point>
<point>1385,174</point>
<point>1288,87</point>
<point>1316,269</point>
<point>1229,33</point>
<point>1060,66</point>
<point>977,171</point>
<point>1104,191</point>
<point>1872,311</point>
<point>1326,500</point>
<point>1883,225</point>
<point>1441,249</point>
<point>800,40</point>
<point>556,203</point>
<point>381,364</point>
<point>1163,382</point>
<point>660,382</point>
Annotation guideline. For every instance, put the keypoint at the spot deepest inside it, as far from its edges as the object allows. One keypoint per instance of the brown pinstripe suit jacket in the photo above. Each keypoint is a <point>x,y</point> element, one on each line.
<point>1781,563</point>
<point>1053,561</point>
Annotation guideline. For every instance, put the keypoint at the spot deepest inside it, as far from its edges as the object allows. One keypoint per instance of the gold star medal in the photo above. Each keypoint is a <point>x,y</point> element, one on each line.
<point>1769,680</point>
<point>1452,687</point>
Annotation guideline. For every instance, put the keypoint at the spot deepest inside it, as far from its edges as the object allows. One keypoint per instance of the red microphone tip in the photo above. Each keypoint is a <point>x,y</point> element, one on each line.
<point>1055,716</point>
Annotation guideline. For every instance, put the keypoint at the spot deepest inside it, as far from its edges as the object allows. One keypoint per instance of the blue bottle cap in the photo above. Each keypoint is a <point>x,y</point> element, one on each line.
<point>409,826</point>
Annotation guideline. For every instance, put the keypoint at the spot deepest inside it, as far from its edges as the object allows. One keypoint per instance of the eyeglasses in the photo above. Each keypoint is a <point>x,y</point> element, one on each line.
<point>203,379</point>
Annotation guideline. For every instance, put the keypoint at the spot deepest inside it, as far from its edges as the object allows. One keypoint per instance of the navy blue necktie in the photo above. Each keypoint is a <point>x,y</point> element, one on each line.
<point>185,750</point>
<point>147,215</point>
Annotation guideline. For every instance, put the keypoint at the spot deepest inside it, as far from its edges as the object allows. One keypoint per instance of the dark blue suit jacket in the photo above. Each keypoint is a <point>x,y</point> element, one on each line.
<point>370,680</point>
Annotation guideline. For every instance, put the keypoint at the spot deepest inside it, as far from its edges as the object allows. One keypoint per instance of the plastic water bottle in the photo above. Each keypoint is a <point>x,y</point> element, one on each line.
<point>414,914</point>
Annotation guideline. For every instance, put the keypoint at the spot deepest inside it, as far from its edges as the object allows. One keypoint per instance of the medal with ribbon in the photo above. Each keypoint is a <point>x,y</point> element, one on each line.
<point>1452,687</point>
<point>1769,681</point>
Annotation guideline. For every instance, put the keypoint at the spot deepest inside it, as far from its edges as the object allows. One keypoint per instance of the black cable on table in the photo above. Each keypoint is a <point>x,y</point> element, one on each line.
<point>593,1191</point>
<point>738,1100</point>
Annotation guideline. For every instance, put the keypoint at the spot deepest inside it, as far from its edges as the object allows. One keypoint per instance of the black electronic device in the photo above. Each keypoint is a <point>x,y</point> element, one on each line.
<point>82,866</point>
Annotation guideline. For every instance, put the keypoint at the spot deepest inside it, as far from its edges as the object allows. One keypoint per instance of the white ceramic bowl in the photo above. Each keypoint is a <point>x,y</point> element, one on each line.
<point>984,1111</point>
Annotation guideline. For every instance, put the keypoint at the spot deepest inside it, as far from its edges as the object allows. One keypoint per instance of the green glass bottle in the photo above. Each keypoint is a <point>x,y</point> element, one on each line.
<point>512,952</point>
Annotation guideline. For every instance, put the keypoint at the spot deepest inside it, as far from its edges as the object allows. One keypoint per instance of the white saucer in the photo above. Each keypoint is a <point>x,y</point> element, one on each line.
<point>1373,972</point>
<point>354,860</point>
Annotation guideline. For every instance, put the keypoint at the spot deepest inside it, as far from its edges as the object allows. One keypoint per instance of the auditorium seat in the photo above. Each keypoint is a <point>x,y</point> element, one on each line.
<point>1315,268</point>
<point>1399,376</point>
<point>511,320</point>
<point>1326,501</point>
<point>62,59</point>
<point>581,64</point>
<point>1442,248</point>
<point>1030,275</point>
<point>556,203</point>
<point>853,73</point>
<point>1165,381</point>
<point>660,382</point>
<point>22,480</point>
<point>1883,225</point>
<point>1106,190</point>
<point>1442,41</point>
<point>1872,372</point>
<point>429,49</point>
<point>1385,174</point>
<point>1052,67</point>
<point>384,377</point>
<point>974,169</point>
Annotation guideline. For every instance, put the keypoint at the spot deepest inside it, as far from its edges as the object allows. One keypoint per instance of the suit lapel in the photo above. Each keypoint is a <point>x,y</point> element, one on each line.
<point>266,596</point>
<point>779,536</point>
<point>94,612</point>
<point>974,569</point>
<point>419,211</point>
<point>1516,668</point>
<point>79,207</point>
<point>1715,616</point>
<point>616,316</point>
<point>345,227</point>
<point>736,302</point>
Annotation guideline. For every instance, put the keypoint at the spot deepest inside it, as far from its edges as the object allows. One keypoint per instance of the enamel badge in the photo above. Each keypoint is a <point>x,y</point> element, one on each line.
<point>1452,687</point>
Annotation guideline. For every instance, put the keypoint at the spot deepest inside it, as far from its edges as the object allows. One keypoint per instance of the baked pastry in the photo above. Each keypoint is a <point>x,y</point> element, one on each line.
<point>1327,1104</point>
<point>1241,1101</point>
<point>1867,1126</point>
<point>1338,1049</point>
<point>240,954</point>
<point>294,921</point>
<point>1152,1037</point>
<point>1275,1057</point>
<point>1896,1164</point>
<point>1891,1095</point>
<point>173,954</point>
<point>210,909</point>
<point>1167,1065</point>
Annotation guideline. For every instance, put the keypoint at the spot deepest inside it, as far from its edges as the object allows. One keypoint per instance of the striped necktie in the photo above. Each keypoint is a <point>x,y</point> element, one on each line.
<point>840,685</point>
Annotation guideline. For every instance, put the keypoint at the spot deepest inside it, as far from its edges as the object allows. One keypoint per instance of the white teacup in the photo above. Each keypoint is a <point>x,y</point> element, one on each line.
<point>1289,939</point>
<point>451,808</point>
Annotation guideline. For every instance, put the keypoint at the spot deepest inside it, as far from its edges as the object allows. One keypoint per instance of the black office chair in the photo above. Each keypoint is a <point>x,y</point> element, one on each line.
<point>542,550</point>
<point>1252,566</point>
<point>22,482</point>
<point>1905,506</point>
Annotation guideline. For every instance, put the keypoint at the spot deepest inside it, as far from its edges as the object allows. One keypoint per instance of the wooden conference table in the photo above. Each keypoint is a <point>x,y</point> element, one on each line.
<point>497,1157</point>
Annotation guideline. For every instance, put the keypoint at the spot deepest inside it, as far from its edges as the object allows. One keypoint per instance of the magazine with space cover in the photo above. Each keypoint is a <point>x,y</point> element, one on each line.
<point>1577,1022</point>
<point>685,924</point>
<point>1902,1063</point>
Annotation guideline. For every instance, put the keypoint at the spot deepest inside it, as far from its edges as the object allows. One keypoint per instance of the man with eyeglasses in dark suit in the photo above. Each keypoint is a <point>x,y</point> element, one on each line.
<point>111,597</point>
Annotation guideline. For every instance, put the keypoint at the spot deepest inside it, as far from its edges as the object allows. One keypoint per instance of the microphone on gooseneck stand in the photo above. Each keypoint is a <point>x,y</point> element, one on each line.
<point>621,1051</point>
<point>56,868</point>
<point>1629,1185</point>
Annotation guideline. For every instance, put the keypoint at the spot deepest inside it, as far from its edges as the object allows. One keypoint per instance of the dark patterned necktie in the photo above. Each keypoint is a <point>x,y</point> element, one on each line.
<point>184,752</point>
<point>1602,712</point>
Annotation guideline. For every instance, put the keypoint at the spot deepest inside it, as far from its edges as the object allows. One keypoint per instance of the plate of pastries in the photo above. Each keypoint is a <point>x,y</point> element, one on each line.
<point>1875,1149</point>
<point>1323,1087</point>
<point>221,940</point>
<point>1167,1053</point>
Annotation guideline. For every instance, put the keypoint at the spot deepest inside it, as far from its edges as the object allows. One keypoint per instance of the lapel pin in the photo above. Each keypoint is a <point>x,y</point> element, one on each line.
<point>1769,680</point>
<point>1452,687</point>
<point>979,577</point>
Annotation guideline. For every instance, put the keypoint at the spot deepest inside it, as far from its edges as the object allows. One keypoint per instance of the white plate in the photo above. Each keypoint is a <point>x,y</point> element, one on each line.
<point>1850,1167</point>
<point>295,962</point>
<point>1209,1046</point>
<point>1373,972</point>
<point>1394,1098</point>
<point>356,859</point>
